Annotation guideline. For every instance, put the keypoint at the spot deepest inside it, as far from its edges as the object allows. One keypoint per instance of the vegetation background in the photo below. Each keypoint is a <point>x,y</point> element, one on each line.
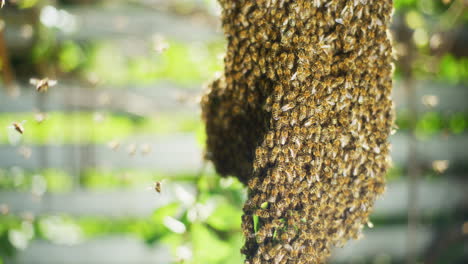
<point>78,185</point>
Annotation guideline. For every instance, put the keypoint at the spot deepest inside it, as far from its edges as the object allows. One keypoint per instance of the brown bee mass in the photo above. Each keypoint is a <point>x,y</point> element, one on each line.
<point>302,115</point>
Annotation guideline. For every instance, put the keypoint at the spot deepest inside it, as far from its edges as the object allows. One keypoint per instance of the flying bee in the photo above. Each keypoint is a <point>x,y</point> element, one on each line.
<point>4,209</point>
<point>145,149</point>
<point>40,117</point>
<point>159,43</point>
<point>157,186</point>
<point>114,145</point>
<point>18,126</point>
<point>42,85</point>
<point>132,149</point>
<point>15,132</point>
<point>25,152</point>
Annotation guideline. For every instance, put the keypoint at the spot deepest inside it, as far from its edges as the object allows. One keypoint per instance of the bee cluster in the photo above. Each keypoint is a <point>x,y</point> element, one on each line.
<point>302,115</point>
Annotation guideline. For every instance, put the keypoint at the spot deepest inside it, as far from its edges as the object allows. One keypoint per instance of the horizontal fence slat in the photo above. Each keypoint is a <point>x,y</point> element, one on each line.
<point>108,250</point>
<point>452,148</point>
<point>450,98</point>
<point>140,100</point>
<point>128,22</point>
<point>389,241</point>
<point>172,154</point>
<point>434,197</point>
<point>164,95</point>
<point>182,152</point>
<point>121,203</point>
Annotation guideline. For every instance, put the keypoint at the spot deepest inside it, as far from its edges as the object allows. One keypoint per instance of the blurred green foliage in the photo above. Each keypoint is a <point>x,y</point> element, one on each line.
<point>182,63</point>
<point>216,237</point>
<point>95,127</point>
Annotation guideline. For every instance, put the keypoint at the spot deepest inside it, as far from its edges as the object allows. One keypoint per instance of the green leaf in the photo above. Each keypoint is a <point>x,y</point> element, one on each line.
<point>70,56</point>
<point>457,123</point>
<point>207,246</point>
<point>448,69</point>
<point>155,229</point>
<point>256,224</point>
<point>226,217</point>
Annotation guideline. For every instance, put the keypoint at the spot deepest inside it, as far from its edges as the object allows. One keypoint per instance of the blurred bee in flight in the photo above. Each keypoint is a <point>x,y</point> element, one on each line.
<point>15,131</point>
<point>42,85</point>
<point>157,186</point>
<point>18,126</point>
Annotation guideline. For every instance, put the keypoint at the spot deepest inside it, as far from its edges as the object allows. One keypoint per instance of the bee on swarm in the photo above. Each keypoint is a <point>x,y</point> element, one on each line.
<point>42,85</point>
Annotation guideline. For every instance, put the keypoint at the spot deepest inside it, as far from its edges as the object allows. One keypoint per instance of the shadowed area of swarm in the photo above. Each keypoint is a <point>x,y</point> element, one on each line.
<point>302,114</point>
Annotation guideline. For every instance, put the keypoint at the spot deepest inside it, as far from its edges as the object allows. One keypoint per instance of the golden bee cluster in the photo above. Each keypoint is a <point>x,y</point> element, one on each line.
<point>302,115</point>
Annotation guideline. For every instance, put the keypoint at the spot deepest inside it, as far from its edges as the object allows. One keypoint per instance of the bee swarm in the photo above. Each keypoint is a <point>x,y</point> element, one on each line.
<point>302,115</point>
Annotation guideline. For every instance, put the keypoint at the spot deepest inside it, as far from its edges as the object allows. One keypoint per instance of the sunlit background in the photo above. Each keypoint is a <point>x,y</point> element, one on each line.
<point>81,164</point>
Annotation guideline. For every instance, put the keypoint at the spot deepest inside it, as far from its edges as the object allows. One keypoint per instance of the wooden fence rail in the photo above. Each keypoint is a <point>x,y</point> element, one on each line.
<point>435,197</point>
<point>167,96</point>
<point>389,241</point>
<point>182,152</point>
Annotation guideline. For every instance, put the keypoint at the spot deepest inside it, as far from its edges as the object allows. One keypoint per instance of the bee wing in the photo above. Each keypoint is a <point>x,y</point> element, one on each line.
<point>52,82</point>
<point>34,81</point>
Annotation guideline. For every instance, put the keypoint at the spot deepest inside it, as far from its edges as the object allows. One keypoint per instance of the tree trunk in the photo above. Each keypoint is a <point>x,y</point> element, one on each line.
<point>302,114</point>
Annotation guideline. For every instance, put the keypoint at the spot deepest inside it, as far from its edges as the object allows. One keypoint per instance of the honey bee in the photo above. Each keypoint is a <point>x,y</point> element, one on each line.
<point>114,145</point>
<point>159,43</point>
<point>288,106</point>
<point>146,149</point>
<point>273,195</point>
<point>18,126</point>
<point>278,93</point>
<point>132,149</point>
<point>40,117</point>
<point>293,118</point>
<point>157,186</point>
<point>269,139</point>
<point>275,111</point>
<point>42,85</point>
<point>4,209</point>
<point>253,183</point>
<point>262,213</point>
<point>25,152</point>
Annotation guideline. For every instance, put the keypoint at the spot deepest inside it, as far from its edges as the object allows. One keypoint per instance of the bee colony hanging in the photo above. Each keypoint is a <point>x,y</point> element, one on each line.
<point>302,115</point>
